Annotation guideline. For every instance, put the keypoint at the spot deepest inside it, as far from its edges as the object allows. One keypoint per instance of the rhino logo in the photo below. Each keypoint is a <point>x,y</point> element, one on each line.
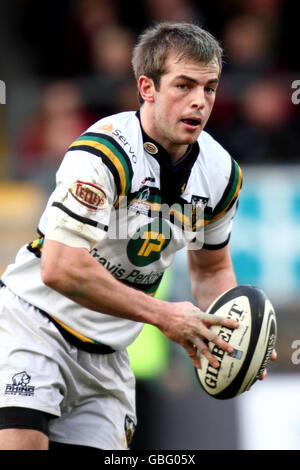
<point>20,385</point>
<point>22,378</point>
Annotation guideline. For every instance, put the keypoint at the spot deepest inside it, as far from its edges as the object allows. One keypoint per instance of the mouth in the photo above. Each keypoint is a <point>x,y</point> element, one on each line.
<point>192,122</point>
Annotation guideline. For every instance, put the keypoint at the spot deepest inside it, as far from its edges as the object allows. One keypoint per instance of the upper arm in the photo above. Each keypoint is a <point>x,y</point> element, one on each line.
<point>209,261</point>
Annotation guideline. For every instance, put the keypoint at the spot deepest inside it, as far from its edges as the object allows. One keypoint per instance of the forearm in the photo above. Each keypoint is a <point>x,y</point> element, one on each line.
<point>207,286</point>
<point>77,275</point>
<point>90,285</point>
<point>211,273</point>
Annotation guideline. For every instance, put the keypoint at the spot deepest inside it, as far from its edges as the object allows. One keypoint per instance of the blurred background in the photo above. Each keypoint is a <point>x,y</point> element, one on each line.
<point>65,64</point>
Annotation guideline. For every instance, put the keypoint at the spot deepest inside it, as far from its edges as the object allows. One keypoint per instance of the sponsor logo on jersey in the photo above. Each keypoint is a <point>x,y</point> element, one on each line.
<point>20,385</point>
<point>148,242</point>
<point>150,148</point>
<point>125,144</point>
<point>145,200</point>
<point>89,195</point>
<point>134,276</point>
<point>106,127</point>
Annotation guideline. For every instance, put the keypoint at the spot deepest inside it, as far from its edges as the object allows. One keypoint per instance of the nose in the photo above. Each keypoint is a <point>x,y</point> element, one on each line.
<point>198,98</point>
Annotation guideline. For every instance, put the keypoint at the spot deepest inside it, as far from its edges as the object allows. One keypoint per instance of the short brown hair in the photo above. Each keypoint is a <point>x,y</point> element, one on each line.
<point>185,39</point>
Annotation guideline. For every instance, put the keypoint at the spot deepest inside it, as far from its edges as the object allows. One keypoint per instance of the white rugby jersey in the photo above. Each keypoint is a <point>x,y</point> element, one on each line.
<point>119,196</point>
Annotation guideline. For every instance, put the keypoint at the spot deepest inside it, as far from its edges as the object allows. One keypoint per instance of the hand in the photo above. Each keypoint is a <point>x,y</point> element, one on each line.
<point>273,358</point>
<point>189,327</point>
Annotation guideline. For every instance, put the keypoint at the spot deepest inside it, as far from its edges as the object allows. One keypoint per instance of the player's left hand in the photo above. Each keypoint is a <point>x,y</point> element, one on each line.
<point>273,358</point>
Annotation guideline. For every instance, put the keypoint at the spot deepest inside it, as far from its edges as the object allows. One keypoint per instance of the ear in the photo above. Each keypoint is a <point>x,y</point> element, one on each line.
<point>146,88</point>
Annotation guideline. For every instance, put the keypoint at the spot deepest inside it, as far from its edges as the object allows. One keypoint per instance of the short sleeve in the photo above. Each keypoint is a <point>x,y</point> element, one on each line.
<point>218,228</point>
<point>217,233</point>
<point>79,209</point>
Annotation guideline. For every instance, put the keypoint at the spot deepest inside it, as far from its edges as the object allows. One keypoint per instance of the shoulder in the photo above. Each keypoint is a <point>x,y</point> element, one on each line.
<point>222,171</point>
<point>119,127</point>
<point>213,155</point>
<point>114,140</point>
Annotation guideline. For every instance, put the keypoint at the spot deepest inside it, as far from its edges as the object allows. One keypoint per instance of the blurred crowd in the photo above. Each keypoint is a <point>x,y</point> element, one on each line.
<point>68,63</point>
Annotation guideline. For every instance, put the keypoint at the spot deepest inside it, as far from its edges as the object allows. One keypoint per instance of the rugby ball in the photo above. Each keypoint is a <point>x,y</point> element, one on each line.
<point>253,342</point>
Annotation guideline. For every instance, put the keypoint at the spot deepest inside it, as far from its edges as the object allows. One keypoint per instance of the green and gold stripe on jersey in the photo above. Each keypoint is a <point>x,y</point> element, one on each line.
<point>89,344</point>
<point>179,217</point>
<point>229,196</point>
<point>36,246</point>
<point>188,216</point>
<point>77,339</point>
<point>112,155</point>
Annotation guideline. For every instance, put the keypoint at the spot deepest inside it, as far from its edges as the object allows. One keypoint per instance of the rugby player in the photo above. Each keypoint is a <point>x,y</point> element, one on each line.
<point>132,190</point>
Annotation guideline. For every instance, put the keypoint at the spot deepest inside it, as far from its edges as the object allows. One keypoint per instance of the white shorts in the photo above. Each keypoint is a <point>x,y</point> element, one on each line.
<point>91,397</point>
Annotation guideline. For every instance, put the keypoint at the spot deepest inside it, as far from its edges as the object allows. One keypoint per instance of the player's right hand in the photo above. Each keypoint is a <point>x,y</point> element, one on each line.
<point>190,327</point>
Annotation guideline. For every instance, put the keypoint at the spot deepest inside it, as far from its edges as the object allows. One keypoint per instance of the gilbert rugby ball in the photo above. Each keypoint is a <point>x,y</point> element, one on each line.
<point>253,342</point>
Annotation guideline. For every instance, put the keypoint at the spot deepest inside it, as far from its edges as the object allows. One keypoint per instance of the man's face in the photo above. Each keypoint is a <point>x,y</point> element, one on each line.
<point>183,103</point>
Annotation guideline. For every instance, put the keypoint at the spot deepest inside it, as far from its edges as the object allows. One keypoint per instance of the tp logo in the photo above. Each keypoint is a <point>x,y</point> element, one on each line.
<point>2,92</point>
<point>148,242</point>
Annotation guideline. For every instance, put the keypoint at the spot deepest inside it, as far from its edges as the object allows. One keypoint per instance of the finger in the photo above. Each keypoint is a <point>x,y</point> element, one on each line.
<point>194,356</point>
<point>213,337</point>
<point>204,350</point>
<point>273,358</point>
<point>218,320</point>
<point>263,375</point>
<point>218,341</point>
<point>274,355</point>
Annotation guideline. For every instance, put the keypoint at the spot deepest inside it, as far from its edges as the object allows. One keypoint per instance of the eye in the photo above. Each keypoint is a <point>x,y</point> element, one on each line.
<point>182,86</point>
<point>210,90</point>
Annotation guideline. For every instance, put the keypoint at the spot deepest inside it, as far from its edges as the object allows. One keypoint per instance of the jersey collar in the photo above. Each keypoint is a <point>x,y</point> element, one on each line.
<point>173,176</point>
<point>157,151</point>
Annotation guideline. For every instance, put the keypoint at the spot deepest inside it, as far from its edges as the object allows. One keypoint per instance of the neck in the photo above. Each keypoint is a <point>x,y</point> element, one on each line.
<point>176,151</point>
